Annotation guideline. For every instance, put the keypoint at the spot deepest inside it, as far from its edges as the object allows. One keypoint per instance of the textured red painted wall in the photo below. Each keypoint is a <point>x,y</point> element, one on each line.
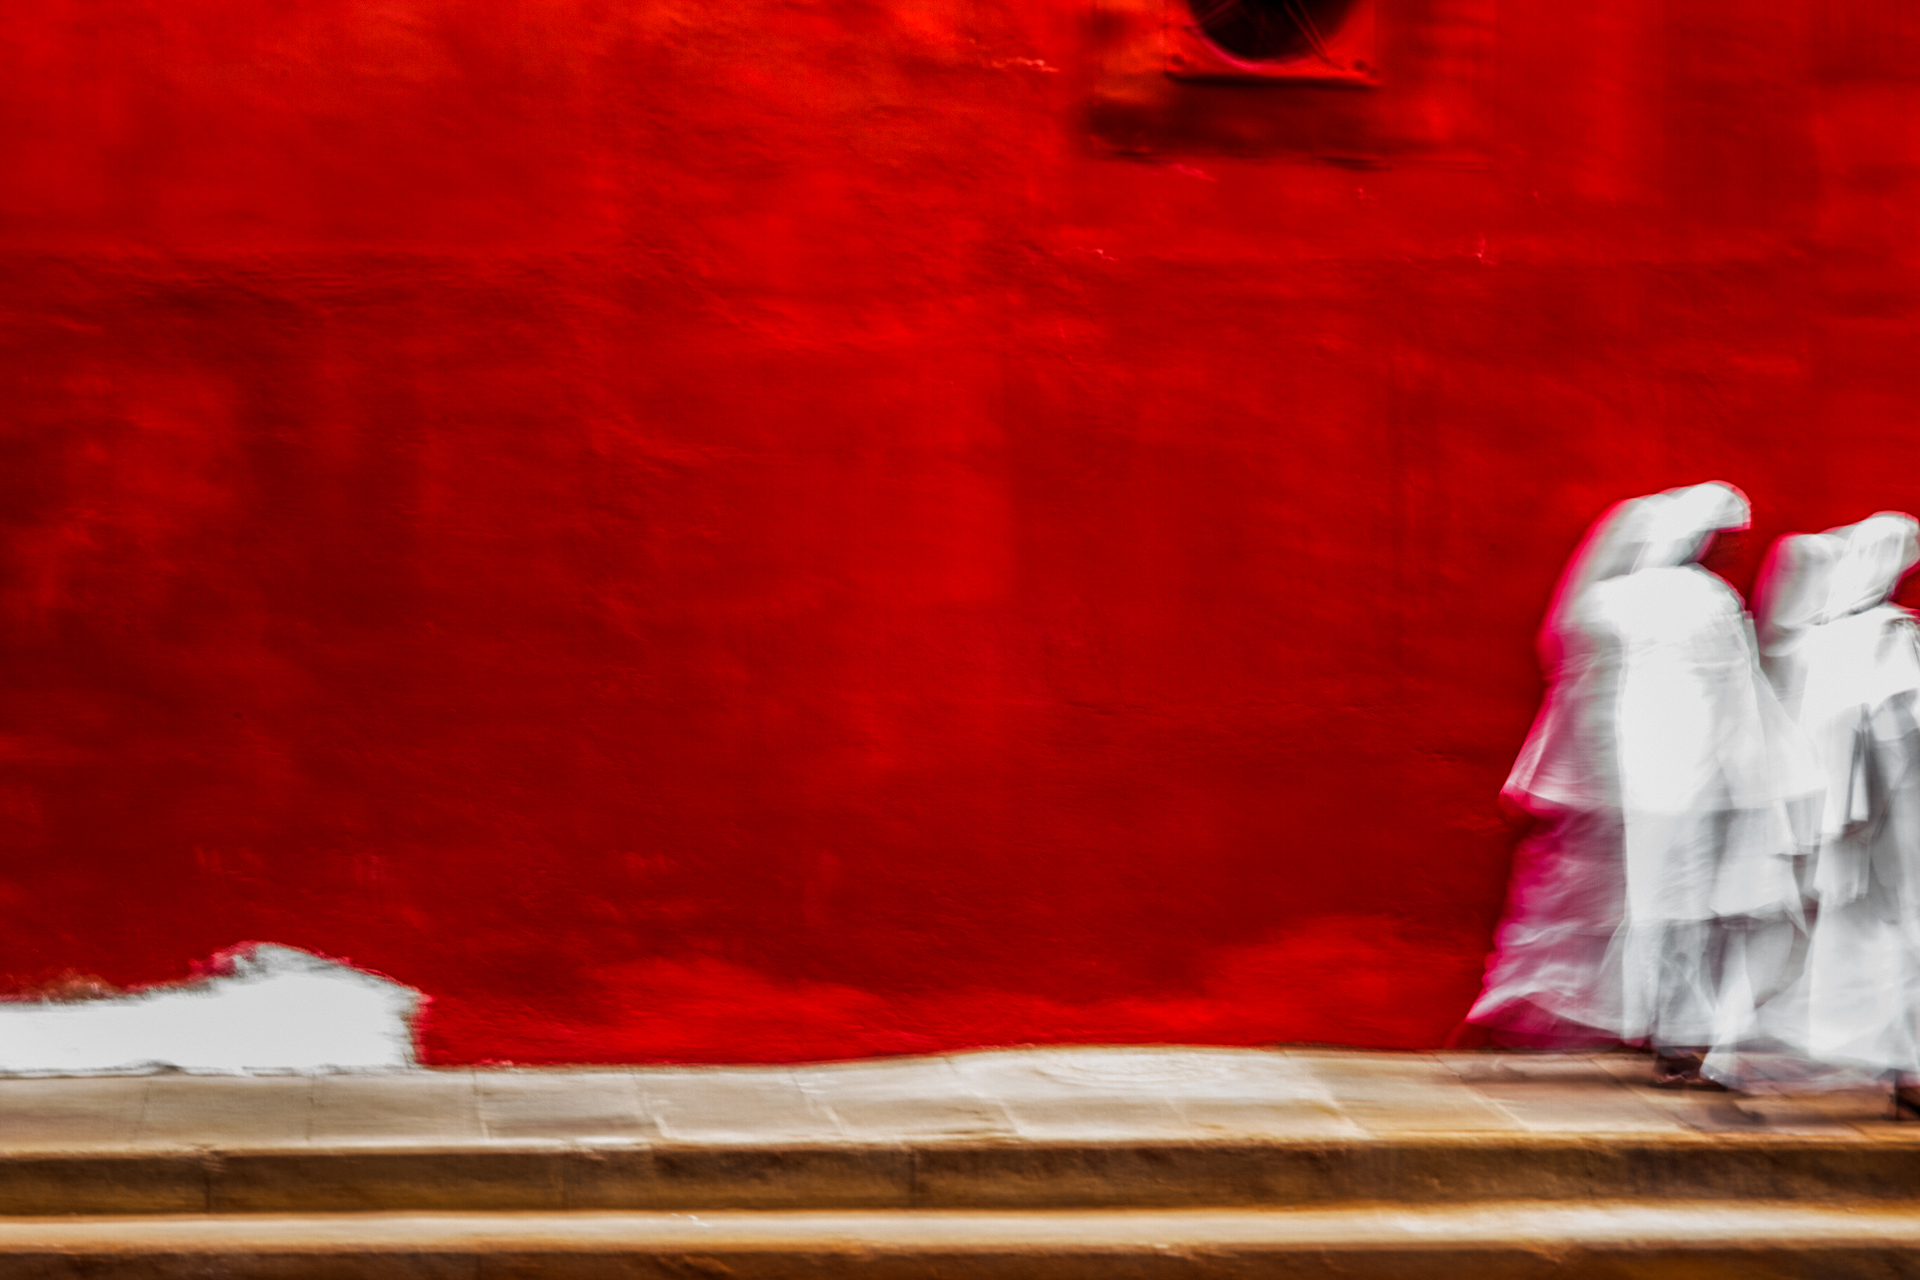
<point>801,529</point>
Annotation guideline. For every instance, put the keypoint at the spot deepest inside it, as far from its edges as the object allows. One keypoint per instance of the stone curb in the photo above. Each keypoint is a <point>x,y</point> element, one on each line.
<point>1499,1241</point>
<point>1423,1169</point>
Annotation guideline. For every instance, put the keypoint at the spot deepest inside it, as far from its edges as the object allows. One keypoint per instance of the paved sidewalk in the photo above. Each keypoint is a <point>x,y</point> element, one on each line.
<point>1050,1096</point>
<point>1067,1164</point>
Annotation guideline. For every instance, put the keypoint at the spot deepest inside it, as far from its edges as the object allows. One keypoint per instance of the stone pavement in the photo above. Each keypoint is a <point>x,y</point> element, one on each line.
<point>1061,1161</point>
<point>1055,1095</point>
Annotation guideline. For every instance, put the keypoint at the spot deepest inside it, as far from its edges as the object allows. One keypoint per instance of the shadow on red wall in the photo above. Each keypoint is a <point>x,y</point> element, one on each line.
<point>1348,980</point>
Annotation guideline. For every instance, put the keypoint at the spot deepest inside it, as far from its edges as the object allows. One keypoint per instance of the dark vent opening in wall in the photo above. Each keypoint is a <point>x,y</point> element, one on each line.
<point>1270,30</point>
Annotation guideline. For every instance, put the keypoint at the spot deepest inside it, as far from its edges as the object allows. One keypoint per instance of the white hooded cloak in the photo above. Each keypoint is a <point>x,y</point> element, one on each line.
<point>1847,666</point>
<point>1672,792</point>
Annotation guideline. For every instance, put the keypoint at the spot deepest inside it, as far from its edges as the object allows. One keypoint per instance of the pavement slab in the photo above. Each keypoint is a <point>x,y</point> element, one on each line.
<point>1067,1128</point>
<point>1033,1095</point>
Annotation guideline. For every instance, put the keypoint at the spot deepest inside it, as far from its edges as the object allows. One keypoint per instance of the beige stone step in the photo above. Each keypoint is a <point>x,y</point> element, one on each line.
<point>1427,1169</point>
<point>1484,1241</point>
<point>1157,1128</point>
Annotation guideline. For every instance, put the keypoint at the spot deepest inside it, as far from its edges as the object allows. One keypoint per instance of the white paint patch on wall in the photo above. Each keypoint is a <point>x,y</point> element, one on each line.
<point>269,1010</point>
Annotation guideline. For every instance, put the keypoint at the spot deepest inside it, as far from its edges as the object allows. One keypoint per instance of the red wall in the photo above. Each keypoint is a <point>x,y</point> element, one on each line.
<point>804,529</point>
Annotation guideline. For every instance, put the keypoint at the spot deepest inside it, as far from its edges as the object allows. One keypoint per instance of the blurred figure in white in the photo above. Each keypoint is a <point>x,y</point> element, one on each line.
<point>1657,902</point>
<point>1846,663</point>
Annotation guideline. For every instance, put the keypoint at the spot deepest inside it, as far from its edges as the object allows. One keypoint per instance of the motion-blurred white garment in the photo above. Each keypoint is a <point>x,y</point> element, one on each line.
<point>1659,901</point>
<point>270,1009</point>
<point>1847,666</point>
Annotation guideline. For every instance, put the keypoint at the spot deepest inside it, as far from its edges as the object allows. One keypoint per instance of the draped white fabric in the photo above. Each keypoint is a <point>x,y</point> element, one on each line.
<point>1847,666</point>
<point>1658,901</point>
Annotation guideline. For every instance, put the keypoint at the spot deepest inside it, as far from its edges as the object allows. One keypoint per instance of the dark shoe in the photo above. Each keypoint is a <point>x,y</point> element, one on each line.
<point>1682,1071</point>
<point>1906,1102</point>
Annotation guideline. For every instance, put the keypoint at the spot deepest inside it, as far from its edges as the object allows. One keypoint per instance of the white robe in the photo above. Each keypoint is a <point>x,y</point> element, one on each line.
<point>1847,665</point>
<point>1668,782</point>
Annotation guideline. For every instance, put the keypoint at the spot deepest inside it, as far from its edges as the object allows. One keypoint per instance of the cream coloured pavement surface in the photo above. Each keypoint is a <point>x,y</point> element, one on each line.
<point>1049,1096</point>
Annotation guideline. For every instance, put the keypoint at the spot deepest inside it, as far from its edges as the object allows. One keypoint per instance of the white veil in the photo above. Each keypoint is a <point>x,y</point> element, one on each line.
<point>1847,664</point>
<point>1561,767</point>
<point>1666,777</point>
